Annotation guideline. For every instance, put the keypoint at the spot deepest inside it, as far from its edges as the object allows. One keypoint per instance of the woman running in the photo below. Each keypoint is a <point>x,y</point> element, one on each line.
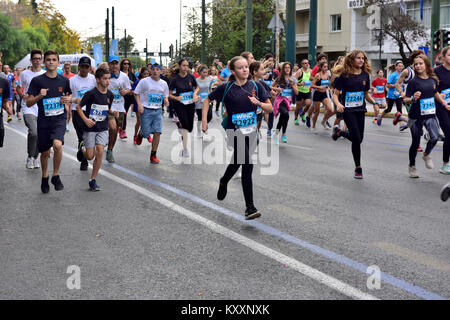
<point>422,93</point>
<point>242,98</point>
<point>125,67</point>
<point>286,87</point>
<point>214,74</point>
<point>320,84</point>
<point>350,95</point>
<point>203,90</point>
<point>443,114</point>
<point>184,99</point>
<point>394,96</point>
<point>145,73</point>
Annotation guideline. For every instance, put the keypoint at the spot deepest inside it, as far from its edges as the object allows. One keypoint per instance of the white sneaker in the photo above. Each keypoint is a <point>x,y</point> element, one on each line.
<point>185,153</point>
<point>313,130</point>
<point>445,169</point>
<point>37,164</point>
<point>30,163</point>
<point>428,162</point>
<point>412,172</point>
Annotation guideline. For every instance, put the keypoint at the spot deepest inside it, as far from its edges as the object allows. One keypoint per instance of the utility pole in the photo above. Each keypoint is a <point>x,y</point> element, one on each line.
<point>249,26</point>
<point>312,32</point>
<point>181,54</point>
<point>291,44</point>
<point>126,44</point>
<point>160,54</point>
<point>203,58</point>
<point>146,51</point>
<point>113,24</point>
<point>435,25</point>
<point>176,48</point>
<point>277,32</point>
<point>107,35</point>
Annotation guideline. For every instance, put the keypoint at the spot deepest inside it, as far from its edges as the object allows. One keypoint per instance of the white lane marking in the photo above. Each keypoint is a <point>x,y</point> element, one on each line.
<point>286,144</point>
<point>249,243</point>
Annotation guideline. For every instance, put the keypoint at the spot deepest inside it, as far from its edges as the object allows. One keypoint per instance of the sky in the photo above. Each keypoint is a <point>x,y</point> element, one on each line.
<point>157,20</point>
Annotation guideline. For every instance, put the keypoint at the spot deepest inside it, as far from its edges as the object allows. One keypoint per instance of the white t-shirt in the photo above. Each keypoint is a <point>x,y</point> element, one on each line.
<point>80,86</point>
<point>24,81</point>
<point>115,86</point>
<point>152,93</point>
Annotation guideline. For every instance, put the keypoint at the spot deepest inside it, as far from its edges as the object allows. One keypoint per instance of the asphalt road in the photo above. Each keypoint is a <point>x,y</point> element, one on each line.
<point>158,231</point>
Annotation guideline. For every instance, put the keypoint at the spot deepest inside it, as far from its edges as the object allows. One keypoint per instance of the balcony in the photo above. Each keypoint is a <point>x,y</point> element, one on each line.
<point>302,37</point>
<point>302,5</point>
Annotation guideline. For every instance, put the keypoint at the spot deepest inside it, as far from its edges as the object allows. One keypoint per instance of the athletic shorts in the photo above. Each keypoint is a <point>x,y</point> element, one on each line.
<point>94,138</point>
<point>319,96</point>
<point>185,114</point>
<point>303,96</point>
<point>151,122</point>
<point>119,120</point>
<point>380,101</point>
<point>46,135</point>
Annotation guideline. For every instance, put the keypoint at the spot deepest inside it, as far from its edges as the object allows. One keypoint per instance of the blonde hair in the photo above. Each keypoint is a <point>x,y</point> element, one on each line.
<point>347,68</point>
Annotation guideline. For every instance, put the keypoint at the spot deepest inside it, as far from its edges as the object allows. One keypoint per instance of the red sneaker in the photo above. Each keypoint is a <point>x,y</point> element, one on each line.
<point>395,121</point>
<point>150,138</point>
<point>419,149</point>
<point>138,139</point>
<point>154,159</point>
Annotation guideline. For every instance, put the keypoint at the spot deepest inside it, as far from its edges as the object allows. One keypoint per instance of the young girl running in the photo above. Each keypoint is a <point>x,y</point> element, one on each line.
<point>394,96</point>
<point>242,98</point>
<point>351,91</point>
<point>203,90</point>
<point>144,73</point>
<point>320,84</point>
<point>379,94</point>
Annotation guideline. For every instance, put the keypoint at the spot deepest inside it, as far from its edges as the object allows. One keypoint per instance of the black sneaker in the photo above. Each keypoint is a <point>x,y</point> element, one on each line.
<point>45,187</point>
<point>445,194</point>
<point>93,185</point>
<point>336,133</point>
<point>84,165</point>
<point>80,155</point>
<point>222,193</point>
<point>252,213</point>
<point>56,181</point>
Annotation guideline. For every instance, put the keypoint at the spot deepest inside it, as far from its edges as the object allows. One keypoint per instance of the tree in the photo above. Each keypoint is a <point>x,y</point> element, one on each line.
<point>402,28</point>
<point>127,44</point>
<point>13,43</point>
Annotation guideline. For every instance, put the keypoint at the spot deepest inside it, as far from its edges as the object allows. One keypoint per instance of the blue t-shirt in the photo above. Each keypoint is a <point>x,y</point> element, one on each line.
<point>393,80</point>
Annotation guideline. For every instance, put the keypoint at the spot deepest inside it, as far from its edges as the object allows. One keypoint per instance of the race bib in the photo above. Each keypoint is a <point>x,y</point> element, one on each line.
<point>307,84</point>
<point>155,100</point>
<point>53,107</point>
<point>1,102</point>
<point>324,83</point>
<point>203,95</point>
<point>354,99</point>
<point>246,122</point>
<point>82,92</point>
<point>396,94</point>
<point>116,94</point>
<point>187,97</point>
<point>427,106</point>
<point>268,82</point>
<point>258,110</point>
<point>446,92</point>
<point>98,113</point>
<point>287,93</point>
<point>380,89</point>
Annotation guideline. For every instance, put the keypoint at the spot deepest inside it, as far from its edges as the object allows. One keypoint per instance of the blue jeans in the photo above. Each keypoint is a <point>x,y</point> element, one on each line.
<point>151,122</point>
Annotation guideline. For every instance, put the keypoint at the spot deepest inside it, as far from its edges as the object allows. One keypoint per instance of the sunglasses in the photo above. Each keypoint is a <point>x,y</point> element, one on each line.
<point>126,64</point>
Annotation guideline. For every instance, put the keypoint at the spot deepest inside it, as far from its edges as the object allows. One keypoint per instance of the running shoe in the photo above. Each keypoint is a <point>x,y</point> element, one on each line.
<point>45,187</point>
<point>269,133</point>
<point>374,121</point>
<point>276,140</point>
<point>93,185</point>
<point>67,127</point>
<point>284,139</point>
<point>134,140</point>
<point>138,139</point>
<point>314,130</point>
<point>19,116</point>
<point>308,122</point>
<point>445,193</point>
<point>412,172</point>
<point>296,122</point>
<point>109,156</point>
<point>80,155</point>
<point>379,119</point>
<point>252,213</point>
<point>122,134</point>
<point>445,169</point>
<point>428,162</point>
<point>336,133</point>
<point>403,127</point>
<point>303,118</point>
<point>222,192</point>
<point>419,149</point>
<point>328,124</point>
<point>150,140</point>
<point>185,153</point>
<point>9,119</point>
<point>56,181</point>
<point>84,165</point>
<point>36,163</point>
<point>358,173</point>
<point>396,120</point>
<point>133,114</point>
<point>30,163</point>
<point>154,159</point>
<point>324,125</point>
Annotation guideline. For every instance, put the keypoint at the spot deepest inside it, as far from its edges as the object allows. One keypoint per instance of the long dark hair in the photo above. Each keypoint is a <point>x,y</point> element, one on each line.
<point>130,68</point>
<point>141,73</point>
<point>281,77</point>
<point>428,69</point>
<point>254,67</point>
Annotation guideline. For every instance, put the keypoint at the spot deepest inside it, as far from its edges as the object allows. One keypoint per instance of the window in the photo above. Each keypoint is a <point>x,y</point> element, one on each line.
<point>335,22</point>
<point>413,10</point>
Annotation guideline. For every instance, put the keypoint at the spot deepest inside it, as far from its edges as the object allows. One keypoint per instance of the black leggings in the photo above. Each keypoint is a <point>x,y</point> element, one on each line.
<point>200,113</point>
<point>416,129</point>
<point>270,121</point>
<point>390,103</point>
<point>2,131</point>
<point>247,167</point>
<point>355,124</point>
<point>185,114</point>
<point>444,121</point>
<point>78,125</point>
<point>284,118</point>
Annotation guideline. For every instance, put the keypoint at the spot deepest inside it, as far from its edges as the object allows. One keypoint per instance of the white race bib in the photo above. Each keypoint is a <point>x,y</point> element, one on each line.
<point>354,99</point>
<point>427,106</point>
<point>98,113</point>
<point>53,107</point>
<point>187,97</point>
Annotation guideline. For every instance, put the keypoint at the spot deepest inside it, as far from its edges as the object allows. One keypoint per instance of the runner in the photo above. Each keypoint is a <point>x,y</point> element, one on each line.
<point>145,73</point>
<point>421,94</point>
<point>52,94</point>
<point>4,96</point>
<point>270,74</point>
<point>150,95</point>
<point>352,89</point>
<point>67,71</point>
<point>379,94</point>
<point>394,95</point>
<point>241,98</point>
<point>249,56</point>
<point>204,83</point>
<point>120,86</point>
<point>97,105</point>
<point>214,74</point>
<point>17,97</point>
<point>303,77</point>
<point>320,84</point>
<point>286,87</point>
<point>443,114</point>
<point>11,81</point>
<point>30,114</point>
<point>184,100</point>
<point>127,69</point>
<point>334,77</point>
<point>79,85</point>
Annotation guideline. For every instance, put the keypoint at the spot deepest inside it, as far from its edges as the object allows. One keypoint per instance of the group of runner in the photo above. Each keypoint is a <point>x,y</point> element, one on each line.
<point>246,91</point>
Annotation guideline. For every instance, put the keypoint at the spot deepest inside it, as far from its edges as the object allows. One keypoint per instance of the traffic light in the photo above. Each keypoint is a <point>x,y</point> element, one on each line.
<point>437,40</point>
<point>270,44</point>
<point>446,38</point>
<point>171,51</point>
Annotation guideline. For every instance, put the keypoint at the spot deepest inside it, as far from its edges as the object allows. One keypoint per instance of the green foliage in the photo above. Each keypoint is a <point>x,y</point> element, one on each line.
<point>13,42</point>
<point>127,43</point>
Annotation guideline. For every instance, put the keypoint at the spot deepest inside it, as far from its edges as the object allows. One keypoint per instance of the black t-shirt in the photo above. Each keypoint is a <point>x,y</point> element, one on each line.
<point>97,107</point>
<point>444,81</point>
<point>265,86</point>
<point>183,86</point>
<point>425,106</point>
<point>4,93</point>
<point>353,88</point>
<point>237,101</point>
<point>50,108</point>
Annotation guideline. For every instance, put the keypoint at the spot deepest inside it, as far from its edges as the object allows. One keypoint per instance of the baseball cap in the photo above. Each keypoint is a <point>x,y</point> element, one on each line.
<point>113,57</point>
<point>155,65</point>
<point>84,61</point>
